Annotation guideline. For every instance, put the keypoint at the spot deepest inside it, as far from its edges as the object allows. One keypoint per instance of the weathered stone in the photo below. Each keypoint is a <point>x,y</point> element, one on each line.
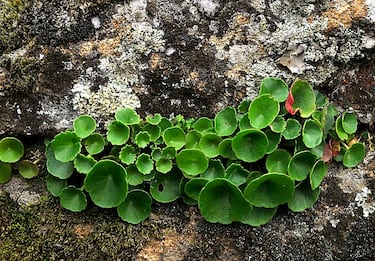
<point>59,59</point>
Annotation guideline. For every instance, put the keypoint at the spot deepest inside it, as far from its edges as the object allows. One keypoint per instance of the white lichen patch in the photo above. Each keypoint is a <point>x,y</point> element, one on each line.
<point>371,10</point>
<point>122,68</point>
<point>363,200</point>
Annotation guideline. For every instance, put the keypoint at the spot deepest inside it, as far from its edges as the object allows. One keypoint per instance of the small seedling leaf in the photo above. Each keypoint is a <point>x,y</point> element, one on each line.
<point>11,150</point>
<point>28,169</point>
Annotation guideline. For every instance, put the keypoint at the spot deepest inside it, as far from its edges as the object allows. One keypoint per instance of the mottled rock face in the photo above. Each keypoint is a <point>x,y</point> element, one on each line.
<point>62,58</point>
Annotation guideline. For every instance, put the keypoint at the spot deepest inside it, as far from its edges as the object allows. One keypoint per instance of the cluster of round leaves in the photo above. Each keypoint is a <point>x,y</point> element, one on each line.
<point>11,153</point>
<point>239,166</point>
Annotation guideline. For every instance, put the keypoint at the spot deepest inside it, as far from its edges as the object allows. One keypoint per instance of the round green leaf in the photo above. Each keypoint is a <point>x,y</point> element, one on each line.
<point>94,143</point>
<point>193,187</point>
<point>62,170</point>
<point>66,146</point>
<point>209,144</point>
<point>134,176</point>
<point>5,172</point>
<point>73,199</point>
<point>28,169</point>
<point>226,122</point>
<point>127,116</point>
<point>274,86</point>
<point>270,190</point>
<point>83,164</point>
<point>245,122</point>
<point>55,185</point>
<point>304,98</point>
<point>128,155</point>
<point>163,165</point>
<point>321,99</point>
<point>223,202</point>
<point>106,184</point>
<point>250,145</point>
<point>142,139</point>
<point>244,106</point>
<point>118,133</point>
<point>312,134</point>
<point>340,130</point>
<point>84,125</point>
<point>278,161</point>
<point>278,125</point>
<point>259,216</point>
<point>215,170</point>
<point>11,150</point>
<point>136,207</point>
<point>164,124</point>
<point>317,173</point>
<point>304,197</point>
<point>273,140</point>
<point>153,131</point>
<point>169,153</point>
<point>225,149</point>
<point>192,139</point>
<point>263,111</point>
<point>203,125</point>
<point>192,161</point>
<point>292,130</point>
<point>174,137</point>
<point>165,188</point>
<point>144,163</point>
<point>354,155</point>
<point>349,122</point>
<point>154,119</point>
<point>301,164</point>
<point>236,174</point>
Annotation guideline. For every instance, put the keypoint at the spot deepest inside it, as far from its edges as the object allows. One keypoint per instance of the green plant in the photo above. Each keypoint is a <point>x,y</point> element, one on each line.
<point>239,166</point>
<point>11,153</point>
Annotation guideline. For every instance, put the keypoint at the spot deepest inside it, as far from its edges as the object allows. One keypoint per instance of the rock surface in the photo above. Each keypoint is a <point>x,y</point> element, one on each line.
<point>59,59</point>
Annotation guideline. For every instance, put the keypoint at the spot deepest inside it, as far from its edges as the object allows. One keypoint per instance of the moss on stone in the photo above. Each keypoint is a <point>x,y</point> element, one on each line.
<point>48,232</point>
<point>10,33</point>
<point>21,72</point>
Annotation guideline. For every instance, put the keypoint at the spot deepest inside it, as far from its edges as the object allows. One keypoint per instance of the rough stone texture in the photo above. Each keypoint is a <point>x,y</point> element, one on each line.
<point>61,58</point>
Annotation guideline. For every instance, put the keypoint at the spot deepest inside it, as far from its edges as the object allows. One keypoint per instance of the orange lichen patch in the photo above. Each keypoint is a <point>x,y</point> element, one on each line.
<point>194,76</point>
<point>344,12</point>
<point>154,61</point>
<point>242,20</point>
<point>82,230</point>
<point>86,48</point>
<point>108,46</point>
<point>233,73</point>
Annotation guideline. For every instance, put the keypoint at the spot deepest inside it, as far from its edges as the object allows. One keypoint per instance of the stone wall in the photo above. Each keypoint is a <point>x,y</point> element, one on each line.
<point>59,59</point>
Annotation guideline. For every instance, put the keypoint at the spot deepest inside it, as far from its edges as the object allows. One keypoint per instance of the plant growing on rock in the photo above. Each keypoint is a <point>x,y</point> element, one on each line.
<point>239,166</point>
<point>11,153</point>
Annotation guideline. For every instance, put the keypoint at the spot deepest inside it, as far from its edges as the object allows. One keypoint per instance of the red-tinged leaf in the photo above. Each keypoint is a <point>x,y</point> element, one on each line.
<point>327,153</point>
<point>331,149</point>
<point>335,147</point>
<point>289,104</point>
